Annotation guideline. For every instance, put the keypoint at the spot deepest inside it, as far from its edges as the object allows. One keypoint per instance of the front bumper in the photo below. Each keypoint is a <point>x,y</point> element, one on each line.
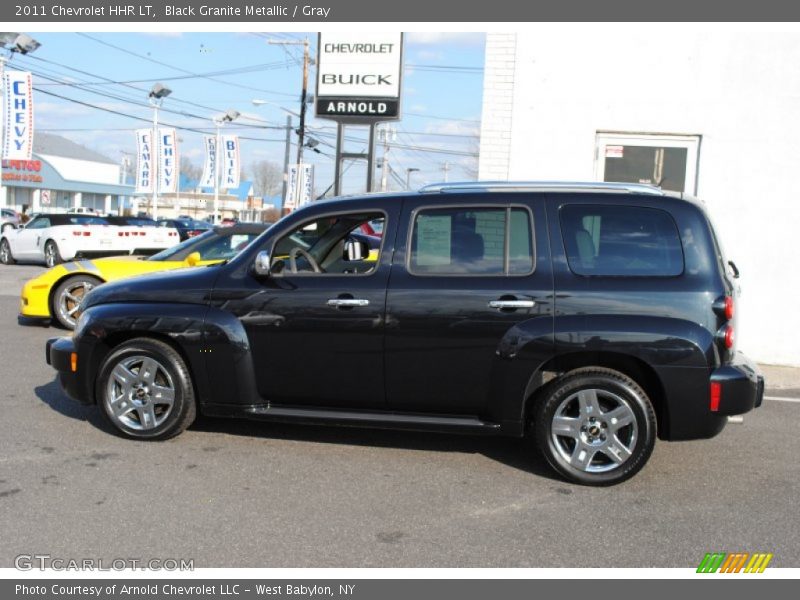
<point>741,386</point>
<point>58,353</point>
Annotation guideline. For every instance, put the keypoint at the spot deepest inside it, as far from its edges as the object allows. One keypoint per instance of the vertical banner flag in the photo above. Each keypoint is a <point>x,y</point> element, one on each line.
<point>290,202</point>
<point>144,161</point>
<point>210,165</point>
<point>230,162</point>
<point>306,184</point>
<point>18,121</point>
<point>299,186</point>
<point>167,160</point>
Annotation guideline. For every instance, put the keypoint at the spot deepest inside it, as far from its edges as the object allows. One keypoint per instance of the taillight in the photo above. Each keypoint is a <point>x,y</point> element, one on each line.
<point>728,337</point>
<point>76,233</point>
<point>87,233</point>
<point>729,307</point>
<point>715,395</point>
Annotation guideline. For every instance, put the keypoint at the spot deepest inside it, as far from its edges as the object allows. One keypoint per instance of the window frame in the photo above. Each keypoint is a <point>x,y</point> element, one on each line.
<point>620,276</point>
<point>340,213</point>
<point>506,241</point>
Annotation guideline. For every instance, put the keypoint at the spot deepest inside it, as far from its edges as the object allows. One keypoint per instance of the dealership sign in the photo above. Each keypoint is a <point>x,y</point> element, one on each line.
<point>167,161</point>
<point>359,76</point>
<point>144,161</point>
<point>18,115</point>
<point>299,186</point>
<point>230,165</point>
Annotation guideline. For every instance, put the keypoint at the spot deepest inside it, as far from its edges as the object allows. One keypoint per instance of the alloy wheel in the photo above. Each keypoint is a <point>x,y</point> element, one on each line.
<point>594,430</point>
<point>140,393</point>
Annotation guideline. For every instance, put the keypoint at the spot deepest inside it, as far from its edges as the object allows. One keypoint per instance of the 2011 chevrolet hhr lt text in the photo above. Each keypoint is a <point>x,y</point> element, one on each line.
<point>595,317</point>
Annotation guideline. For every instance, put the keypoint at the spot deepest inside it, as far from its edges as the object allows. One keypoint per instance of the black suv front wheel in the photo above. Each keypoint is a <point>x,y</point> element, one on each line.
<point>145,390</point>
<point>595,426</point>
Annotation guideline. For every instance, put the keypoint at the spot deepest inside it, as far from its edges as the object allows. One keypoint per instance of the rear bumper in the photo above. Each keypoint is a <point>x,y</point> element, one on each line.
<point>741,386</point>
<point>58,353</point>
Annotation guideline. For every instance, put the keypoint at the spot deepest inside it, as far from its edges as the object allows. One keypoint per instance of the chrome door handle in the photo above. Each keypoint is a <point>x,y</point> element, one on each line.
<point>512,304</point>
<point>347,302</point>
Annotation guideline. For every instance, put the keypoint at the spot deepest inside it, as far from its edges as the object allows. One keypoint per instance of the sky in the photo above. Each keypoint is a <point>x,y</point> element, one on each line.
<point>92,87</point>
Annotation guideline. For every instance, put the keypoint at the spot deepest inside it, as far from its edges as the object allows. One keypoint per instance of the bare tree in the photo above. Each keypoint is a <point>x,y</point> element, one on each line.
<point>190,170</point>
<point>267,178</point>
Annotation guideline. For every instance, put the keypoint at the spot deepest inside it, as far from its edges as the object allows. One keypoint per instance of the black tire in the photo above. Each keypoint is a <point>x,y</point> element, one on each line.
<point>171,372</point>
<point>52,256</point>
<point>579,426</point>
<point>65,305</point>
<point>5,253</point>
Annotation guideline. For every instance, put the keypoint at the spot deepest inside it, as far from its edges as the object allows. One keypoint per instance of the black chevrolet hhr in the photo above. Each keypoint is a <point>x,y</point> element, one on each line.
<point>595,317</point>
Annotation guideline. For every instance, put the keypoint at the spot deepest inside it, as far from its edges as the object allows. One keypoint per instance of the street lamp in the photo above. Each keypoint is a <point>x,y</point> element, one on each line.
<point>156,97</point>
<point>409,171</point>
<point>229,116</point>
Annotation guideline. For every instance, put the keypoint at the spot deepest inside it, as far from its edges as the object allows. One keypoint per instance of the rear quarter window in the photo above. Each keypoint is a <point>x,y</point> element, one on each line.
<point>621,241</point>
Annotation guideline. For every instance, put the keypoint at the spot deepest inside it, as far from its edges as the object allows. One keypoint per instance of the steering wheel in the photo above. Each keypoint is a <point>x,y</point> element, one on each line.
<point>293,260</point>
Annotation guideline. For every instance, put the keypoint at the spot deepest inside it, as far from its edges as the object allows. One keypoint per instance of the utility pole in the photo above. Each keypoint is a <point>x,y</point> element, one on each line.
<point>386,134</point>
<point>446,169</point>
<point>301,130</point>
<point>286,158</point>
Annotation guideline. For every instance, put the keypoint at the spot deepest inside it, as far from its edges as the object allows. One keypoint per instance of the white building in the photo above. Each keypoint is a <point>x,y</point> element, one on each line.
<point>713,113</point>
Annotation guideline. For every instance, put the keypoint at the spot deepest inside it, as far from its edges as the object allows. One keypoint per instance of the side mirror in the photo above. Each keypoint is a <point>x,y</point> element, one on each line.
<point>192,259</point>
<point>262,264</point>
<point>355,250</point>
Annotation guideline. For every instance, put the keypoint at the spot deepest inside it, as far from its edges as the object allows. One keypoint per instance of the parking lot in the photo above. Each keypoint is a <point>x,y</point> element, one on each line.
<point>235,493</point>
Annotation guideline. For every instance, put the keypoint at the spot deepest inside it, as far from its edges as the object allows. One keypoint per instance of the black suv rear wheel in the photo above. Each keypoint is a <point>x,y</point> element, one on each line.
<point>595,426</point>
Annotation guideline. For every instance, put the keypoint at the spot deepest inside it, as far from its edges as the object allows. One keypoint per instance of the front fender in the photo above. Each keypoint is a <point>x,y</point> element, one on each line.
<point>105,326</point>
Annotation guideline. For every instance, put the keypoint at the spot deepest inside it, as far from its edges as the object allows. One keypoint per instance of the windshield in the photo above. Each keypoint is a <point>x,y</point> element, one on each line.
<point>211,246</point>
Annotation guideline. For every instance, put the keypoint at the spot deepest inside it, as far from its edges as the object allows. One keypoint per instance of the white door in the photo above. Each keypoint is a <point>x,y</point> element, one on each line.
<point>663,160</point>
<point>26,243</point>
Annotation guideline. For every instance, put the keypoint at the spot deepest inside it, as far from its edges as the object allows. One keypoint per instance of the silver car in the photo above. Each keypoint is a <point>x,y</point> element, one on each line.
<point>8,218</point>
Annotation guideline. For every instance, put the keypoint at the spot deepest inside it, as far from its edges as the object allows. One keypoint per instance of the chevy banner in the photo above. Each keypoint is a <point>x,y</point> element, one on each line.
<point>210,164</point>
<point>144,161</point>
<point>231,164</point>
<point>167,161</point>
<point>18,115</point>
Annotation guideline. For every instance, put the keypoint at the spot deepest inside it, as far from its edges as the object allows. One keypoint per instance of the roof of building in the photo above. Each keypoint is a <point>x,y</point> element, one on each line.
<point>55,145</point>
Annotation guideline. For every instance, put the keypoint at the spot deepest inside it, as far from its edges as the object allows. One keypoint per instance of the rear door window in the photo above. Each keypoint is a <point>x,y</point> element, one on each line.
<point>621,241</point>
<point>471,241</point>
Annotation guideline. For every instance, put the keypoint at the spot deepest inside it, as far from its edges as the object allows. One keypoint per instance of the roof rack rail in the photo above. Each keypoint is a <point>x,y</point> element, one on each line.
<point>600,186</point>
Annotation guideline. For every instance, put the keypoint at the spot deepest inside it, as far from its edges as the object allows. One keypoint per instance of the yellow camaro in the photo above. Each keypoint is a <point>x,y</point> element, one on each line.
<point>57,293</point>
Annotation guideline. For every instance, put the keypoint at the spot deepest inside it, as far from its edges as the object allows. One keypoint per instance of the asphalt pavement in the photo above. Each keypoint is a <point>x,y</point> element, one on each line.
<point>240,494</point>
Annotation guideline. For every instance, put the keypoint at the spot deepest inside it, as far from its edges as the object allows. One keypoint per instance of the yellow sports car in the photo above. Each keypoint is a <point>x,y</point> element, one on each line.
<point>57,293</point>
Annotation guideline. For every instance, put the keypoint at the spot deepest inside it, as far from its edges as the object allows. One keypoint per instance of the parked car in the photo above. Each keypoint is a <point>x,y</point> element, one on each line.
<point>9,219</point>
<point>58,292</point>
<point>186,228</point>
<point>54,238</point>
<point>83,210</point>
<point>143,235</point>
<point>595,317</point>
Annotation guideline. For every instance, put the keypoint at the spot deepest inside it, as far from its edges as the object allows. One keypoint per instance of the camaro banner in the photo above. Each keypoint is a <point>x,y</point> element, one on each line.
<point>167,160</point>
<point>144,161</point>
<point>210,165</point>
<point>18,118</point>
<point>230,162</point>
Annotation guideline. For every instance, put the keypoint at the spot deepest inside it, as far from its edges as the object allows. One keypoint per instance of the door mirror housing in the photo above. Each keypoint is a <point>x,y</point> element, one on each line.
<point>355,250</point>
<point>262,264</point>
<point>192,259</point>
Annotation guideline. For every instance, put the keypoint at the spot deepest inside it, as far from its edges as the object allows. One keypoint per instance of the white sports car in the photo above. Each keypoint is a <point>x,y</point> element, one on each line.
<point>54,238</point>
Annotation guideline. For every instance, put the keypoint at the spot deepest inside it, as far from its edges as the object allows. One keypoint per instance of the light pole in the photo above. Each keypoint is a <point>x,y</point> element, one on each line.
<point>229,116</point>
<point>156,97</point>
<point>11,42</point>
<point>409,171</point>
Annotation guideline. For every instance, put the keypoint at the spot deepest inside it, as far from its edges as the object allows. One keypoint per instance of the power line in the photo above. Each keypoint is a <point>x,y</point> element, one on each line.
<point>181,69</point>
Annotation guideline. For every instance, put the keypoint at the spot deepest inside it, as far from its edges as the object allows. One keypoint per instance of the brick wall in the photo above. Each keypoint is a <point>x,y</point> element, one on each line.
<point>498,104</point>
